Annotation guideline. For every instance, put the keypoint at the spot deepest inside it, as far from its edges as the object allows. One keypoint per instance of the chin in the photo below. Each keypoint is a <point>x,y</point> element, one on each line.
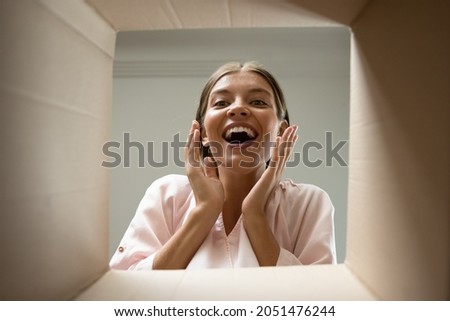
<point>242,160</point>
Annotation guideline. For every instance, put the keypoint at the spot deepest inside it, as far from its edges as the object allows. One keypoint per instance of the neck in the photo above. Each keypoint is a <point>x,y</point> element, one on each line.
<point>236,186</point>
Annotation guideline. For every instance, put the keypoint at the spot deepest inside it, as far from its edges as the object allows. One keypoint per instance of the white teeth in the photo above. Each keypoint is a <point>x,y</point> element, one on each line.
<point>249,131</point>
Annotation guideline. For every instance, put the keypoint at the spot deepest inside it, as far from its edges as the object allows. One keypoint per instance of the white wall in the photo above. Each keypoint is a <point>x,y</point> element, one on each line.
<point>157,83</point>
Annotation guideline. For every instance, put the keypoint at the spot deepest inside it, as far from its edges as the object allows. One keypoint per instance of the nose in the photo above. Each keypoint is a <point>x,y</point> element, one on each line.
<point>238,111</point>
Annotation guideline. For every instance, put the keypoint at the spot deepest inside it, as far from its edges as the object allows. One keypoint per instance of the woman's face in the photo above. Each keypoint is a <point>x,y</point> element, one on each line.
<point>241,123</point>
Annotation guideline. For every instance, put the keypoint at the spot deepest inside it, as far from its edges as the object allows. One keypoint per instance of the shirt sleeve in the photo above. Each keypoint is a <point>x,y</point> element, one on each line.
<point>312,228</point>
<point>157,217</point>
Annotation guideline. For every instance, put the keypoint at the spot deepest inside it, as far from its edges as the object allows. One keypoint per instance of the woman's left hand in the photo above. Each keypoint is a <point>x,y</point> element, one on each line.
<point>261,237</point>
<point>256,200</point>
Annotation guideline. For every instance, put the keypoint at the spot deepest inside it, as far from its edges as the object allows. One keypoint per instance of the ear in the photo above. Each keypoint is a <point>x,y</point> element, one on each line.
<point>282,127</point>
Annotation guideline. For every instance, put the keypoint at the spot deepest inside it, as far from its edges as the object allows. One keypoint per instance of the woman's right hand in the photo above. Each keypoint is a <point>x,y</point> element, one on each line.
<point>205,183</point>
<point>209,195</point>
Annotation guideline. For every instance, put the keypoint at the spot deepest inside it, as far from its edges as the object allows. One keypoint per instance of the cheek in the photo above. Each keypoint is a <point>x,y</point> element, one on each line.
<point>271,126</point>
<point>208,123</point>
<point>211,123</point>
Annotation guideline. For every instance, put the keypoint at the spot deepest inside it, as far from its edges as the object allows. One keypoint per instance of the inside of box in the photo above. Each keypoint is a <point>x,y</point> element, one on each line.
<point>57,86</point>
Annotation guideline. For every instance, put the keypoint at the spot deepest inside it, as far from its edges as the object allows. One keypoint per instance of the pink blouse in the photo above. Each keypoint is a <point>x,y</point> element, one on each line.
<point>299,215</point>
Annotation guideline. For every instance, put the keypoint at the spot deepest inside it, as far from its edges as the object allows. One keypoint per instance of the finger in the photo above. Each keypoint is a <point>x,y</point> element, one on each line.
<point>274,154</point>
<point>290,133</point>
<point>285,151</point>
<point>194,125</point>
<point>210,167</point>
<point>192,147</point>
<point>293,140</point>
<point>193,150</point>
<point>288,141</point>
<point>195,146</point>
<point>285,148</point>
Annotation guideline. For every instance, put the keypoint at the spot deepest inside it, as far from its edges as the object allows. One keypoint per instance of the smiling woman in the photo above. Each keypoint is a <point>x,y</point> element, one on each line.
<point>158,77</point>
<point>223,214</point>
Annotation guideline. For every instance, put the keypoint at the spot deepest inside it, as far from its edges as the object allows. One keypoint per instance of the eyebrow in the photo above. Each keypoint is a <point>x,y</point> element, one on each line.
<point>252,90</point>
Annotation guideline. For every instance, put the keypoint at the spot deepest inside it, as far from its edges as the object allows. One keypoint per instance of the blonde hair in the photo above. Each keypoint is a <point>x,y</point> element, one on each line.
<point>232,67</point>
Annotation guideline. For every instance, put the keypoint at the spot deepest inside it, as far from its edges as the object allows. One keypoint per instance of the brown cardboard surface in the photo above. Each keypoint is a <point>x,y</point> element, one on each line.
<point>147,15</point>
<point>71,13</point>
<point>319,282</point>
<point>343,11</point>
<point>398,233</point>
<point>55,88</point>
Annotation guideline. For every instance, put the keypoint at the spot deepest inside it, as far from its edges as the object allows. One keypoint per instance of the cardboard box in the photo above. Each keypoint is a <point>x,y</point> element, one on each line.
<point>56,84</point>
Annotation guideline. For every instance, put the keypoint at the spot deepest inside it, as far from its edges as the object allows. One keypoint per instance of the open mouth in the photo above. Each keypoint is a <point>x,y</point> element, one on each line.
<point>239,135</point>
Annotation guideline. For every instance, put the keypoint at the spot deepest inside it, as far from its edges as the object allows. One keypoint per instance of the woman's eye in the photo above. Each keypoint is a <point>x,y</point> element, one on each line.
<point>220,103</point>
<point>259,102</point>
